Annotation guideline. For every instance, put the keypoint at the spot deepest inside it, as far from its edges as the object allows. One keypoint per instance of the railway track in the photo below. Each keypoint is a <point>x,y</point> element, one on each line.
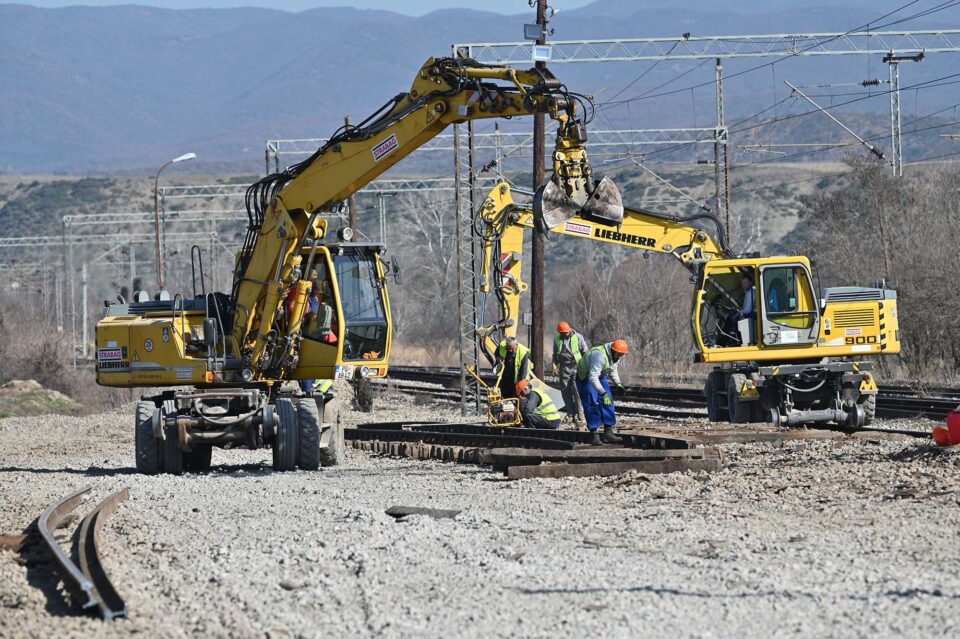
<point>894,401</point>
<point>453,395</point>
<point>88,583</point>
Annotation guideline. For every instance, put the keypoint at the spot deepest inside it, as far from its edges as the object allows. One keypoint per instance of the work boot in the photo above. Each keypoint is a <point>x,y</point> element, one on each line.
<point>595,441</point>
<point>578,421</point>
<point>609,437</point>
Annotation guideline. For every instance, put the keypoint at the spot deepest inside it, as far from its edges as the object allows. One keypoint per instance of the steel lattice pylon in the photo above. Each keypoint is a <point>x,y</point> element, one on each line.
<point>465,197</point>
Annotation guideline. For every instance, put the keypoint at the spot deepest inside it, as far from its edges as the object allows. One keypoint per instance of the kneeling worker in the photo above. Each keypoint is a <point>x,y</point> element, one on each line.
<point>536,407</point>
<point>594,373</point>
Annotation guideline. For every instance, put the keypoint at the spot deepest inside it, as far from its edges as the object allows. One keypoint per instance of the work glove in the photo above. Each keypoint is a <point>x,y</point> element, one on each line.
<point>607,399</point>
<point>554,371</point>
<point>619,390</point>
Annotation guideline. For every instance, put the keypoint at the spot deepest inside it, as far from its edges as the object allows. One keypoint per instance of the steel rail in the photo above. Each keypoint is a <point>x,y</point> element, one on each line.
<point>80,586</point>
<point>88,584</point>
<point>453,395</point>
<point>109,600</point>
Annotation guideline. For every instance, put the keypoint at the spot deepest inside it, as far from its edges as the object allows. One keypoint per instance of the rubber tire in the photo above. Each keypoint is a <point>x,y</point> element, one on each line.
<point>147,447</point>
<point>714,412</point>
<point>869,403</point>
<point>287,433</point>
<point>333,453</point>
<point>171,457</point>
<point>308,444</point>
<point>740,412</point>
<point>198,459</point>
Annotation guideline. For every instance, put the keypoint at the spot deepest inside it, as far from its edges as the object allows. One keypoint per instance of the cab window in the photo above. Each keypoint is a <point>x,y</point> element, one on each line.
<point>788,297</point>
<point>361,298</point>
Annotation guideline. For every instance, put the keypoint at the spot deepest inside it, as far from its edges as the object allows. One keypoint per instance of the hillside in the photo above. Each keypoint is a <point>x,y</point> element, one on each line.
<point>118,89</point>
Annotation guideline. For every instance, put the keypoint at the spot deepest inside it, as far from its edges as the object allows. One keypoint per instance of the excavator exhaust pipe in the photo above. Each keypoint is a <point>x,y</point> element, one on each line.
<point>552,206</point>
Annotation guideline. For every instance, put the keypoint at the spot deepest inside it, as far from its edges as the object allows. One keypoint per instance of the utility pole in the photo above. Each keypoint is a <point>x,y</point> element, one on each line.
<point>721,157</point>
<point>352,200</point>
<point>83,283</point>
<point>539,243</point>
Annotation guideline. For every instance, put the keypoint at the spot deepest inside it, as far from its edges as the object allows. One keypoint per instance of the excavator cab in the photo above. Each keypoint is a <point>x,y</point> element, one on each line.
<point>346,327</point>
<point>742,306</point>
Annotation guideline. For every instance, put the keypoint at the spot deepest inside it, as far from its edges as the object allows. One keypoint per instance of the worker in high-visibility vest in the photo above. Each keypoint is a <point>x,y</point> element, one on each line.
<point>594,374</point>
<point>321,386</point>
<point>569,347</point>
<point>514,358</point>
<point>536,407</point>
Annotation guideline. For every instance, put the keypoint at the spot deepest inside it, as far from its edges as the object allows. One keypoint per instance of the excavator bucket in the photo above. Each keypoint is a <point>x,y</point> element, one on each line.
<point>605,203</point>
<point>552,206</point>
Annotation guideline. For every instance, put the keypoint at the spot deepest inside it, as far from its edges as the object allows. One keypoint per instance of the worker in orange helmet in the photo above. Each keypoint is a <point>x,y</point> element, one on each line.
<point>536,407</point>
<point>569,347</point>
<point>594,374</point>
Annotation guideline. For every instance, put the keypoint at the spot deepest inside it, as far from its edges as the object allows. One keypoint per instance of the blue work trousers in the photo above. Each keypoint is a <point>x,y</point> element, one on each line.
<point>593,409</point>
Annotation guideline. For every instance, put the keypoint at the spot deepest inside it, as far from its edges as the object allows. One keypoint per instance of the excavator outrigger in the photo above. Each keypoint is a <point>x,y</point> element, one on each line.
<point>796,361</point>
<point>234,350</point>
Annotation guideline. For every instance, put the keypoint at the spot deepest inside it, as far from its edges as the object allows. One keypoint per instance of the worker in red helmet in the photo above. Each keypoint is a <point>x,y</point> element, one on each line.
<point>569,347</point>
<point>536,407</point>
<point>594,374</point>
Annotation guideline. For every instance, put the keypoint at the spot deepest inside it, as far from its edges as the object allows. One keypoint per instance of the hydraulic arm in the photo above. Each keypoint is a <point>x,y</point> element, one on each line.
<point>285,208</point>
<point>501,224</point>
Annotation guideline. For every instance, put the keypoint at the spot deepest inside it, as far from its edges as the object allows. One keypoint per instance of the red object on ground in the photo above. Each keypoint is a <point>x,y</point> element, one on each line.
<point>949,436</point>
<point>953,426</point>
<point>941,436</point>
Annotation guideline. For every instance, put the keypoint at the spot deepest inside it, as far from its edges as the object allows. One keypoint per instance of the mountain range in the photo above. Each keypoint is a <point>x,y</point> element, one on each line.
<point>121,89</point>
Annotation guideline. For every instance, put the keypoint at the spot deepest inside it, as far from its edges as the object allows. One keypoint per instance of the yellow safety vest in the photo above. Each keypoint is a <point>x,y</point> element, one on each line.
<point>583,366</point>
<point>547,409</point>
<point>574,345</point>
<point>522,351</point>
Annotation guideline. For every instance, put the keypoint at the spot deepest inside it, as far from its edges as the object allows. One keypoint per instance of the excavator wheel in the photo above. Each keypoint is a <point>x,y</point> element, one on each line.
<point>332,449</point>
<point>714,412</point>
<point>171,457</point>
<point>869,404</point>
<point>308,446</point>
<point>287,436</point>
<point>147,446</point>
<point>740,412</point>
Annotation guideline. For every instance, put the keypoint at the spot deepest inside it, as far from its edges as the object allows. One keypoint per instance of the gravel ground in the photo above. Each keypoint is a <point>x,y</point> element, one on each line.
<point>814,538</point>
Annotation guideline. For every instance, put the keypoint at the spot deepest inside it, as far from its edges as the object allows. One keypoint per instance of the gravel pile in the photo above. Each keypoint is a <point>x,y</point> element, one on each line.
<point>815,538</point>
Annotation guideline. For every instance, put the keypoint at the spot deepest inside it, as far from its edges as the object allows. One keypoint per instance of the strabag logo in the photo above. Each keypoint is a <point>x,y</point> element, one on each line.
<point>385,148</point>
<point>577,229</point>
<point>625,238</point>
<point>109,354</point>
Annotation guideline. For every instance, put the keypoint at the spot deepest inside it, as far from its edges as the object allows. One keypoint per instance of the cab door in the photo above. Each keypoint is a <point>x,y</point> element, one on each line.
<point>789,311</point>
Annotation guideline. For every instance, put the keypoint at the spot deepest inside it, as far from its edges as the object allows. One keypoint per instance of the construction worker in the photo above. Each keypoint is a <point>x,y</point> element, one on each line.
<point>594,373</point>
<point>536,407</point>
<point>514,358</point>
<point>569,347</point>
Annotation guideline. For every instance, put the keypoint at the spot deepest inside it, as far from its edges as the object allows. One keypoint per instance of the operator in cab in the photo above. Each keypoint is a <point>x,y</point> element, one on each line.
<point>746,316</point>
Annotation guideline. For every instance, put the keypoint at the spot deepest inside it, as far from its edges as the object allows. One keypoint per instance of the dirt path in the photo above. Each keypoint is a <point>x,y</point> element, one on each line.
<point>813,538</point>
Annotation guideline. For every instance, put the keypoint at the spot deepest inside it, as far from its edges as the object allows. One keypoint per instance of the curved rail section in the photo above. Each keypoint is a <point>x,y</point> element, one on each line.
<point>88,583</point>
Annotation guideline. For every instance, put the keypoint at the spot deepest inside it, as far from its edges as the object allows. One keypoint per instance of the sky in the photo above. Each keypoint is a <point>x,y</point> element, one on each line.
<point>409,7</point>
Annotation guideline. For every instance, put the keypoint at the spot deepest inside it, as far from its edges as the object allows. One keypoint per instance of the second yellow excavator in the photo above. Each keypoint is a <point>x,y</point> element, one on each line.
<point>793,358</point>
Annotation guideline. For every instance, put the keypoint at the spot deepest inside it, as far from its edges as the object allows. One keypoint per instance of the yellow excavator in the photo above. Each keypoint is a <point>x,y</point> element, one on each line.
<point>307,303</point>
<point>795,359</point>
